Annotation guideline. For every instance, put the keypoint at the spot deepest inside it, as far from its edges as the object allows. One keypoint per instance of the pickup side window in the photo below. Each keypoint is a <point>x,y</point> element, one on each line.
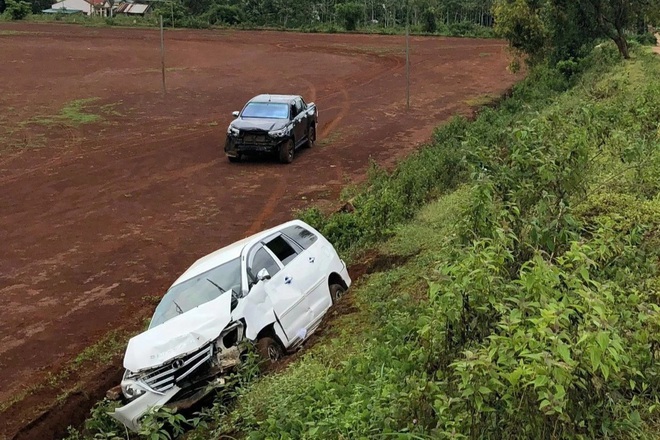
<point>260,259</point>
<point>293,111</point>
<point>299,106</point>
<point>300,235</point>
<point>282,249</point>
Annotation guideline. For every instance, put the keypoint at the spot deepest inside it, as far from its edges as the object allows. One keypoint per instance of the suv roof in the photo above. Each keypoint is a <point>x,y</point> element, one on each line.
<point>230,252</point>
<point>274,98</point>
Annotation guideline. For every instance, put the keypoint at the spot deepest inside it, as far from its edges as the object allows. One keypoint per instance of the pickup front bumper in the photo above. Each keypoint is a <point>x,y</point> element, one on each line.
<point>250,144</point>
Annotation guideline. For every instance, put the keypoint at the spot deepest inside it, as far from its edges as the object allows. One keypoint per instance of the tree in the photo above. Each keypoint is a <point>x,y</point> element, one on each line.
<point>520,22</point>
<point>350,14</point>
<point>613,17</point>
<point>429,21</point>
<point>17,10</point>
<point>2,6</point>
<point>40,5</point>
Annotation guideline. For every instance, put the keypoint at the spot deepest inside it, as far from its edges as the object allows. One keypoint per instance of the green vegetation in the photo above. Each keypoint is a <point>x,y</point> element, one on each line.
<point>442,17</point>
<point>16,9</point>
<point>561,29</point>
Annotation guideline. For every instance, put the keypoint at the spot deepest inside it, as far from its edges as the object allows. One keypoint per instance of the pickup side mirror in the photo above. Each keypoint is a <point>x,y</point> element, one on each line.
<point>263,275</point>
<point>234,114</point>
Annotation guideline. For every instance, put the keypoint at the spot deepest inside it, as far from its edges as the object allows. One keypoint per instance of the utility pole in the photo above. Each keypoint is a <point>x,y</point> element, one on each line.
<point>407,56</point>
<point>162,52</point>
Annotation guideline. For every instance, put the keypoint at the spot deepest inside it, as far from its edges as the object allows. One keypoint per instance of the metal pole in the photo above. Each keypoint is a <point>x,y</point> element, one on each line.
<point>407,57</point>
<point>162,52</point>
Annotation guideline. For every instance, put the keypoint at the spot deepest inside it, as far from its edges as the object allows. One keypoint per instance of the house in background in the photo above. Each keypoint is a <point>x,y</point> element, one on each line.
<point>71,7</point>
<point>87,7</point>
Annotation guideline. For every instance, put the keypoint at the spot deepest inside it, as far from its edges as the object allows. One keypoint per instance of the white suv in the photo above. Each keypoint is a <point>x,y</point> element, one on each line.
<point>272,288</point>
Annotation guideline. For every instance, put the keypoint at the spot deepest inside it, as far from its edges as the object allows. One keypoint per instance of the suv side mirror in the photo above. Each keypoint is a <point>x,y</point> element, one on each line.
<point>234,114</point>
<point>263,275</point>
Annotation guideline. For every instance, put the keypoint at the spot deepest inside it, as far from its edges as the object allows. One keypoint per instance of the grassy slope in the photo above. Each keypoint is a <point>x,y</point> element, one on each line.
<point>523,301</point>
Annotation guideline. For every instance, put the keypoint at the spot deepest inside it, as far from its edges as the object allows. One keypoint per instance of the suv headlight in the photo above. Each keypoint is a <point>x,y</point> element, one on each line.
<point>278,133</point>
<point>131,387</point>
<point>233,131</point>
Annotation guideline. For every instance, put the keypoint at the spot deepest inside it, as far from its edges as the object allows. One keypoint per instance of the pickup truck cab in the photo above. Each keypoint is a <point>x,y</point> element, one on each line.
<point>272,124</point>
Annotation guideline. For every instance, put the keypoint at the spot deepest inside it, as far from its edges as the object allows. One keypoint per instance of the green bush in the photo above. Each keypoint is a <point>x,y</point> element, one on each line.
<point>350,14</point>
<point>17,9</point>
<point>646,39</point>
<point>430,24</point>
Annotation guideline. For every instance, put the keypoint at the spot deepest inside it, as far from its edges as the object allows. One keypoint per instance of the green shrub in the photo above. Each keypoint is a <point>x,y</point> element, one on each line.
<point>17,9</point>
<point>350,14</point>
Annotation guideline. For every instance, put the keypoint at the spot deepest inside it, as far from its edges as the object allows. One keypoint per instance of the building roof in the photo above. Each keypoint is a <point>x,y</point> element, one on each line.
<point>62,11</point>
<point>132,8</point>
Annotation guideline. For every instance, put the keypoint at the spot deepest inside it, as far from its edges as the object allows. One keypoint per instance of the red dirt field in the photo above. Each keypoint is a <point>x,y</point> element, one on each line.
<point>96,217</point>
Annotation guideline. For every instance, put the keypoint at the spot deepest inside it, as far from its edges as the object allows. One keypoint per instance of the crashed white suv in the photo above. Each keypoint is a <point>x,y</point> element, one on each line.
<point>272,288</point>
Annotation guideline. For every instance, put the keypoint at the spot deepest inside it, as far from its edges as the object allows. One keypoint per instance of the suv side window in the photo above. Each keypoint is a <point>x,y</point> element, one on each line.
<point>282,250</point>
<point>261,259</point>
<point>300,235</point>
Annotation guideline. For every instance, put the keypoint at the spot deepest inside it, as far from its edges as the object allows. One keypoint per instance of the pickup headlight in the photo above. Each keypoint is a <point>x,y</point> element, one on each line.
<point>278,133</point>
<point>233,131</point>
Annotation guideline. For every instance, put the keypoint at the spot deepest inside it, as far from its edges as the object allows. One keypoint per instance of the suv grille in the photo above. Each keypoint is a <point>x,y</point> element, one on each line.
<point>163,378</point>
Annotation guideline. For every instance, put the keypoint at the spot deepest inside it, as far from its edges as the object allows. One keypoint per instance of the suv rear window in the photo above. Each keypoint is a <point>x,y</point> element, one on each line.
<point>300,235</point>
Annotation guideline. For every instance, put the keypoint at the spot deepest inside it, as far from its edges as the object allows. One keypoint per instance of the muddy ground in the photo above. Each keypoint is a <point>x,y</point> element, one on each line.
<point>110,189</point>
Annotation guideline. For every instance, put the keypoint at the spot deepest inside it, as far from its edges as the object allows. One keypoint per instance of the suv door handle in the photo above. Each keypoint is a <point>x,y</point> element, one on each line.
<point>312,259</point>
<point>287,280</point>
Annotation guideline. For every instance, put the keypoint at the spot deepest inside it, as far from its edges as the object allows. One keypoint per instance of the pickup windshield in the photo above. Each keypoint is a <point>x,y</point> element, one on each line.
<point>266,110</point>
<point>198,290</point>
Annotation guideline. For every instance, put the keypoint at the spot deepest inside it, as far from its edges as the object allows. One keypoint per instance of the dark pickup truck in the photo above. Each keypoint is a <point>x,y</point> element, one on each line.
<point>276,124</point>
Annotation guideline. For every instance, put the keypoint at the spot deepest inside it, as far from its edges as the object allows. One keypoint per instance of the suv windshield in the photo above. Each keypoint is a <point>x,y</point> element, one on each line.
<point>198,290</point>
<point>266,110</point>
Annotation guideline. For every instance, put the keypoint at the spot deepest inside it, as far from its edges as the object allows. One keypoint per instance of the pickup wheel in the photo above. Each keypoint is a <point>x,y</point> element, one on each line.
<point>311,135</point>
<point>269,350</point>
<point>287,151</point>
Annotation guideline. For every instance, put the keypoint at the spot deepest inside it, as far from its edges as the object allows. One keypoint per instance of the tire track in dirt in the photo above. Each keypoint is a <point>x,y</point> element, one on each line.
<point>146,149</point>
<point>269,208</point>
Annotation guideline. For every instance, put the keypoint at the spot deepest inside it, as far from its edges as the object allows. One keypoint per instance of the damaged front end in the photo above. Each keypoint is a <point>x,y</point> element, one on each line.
<point>182,381</point>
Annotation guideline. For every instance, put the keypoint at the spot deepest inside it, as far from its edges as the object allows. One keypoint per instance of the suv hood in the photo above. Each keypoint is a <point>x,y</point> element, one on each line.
<point>249,124</point>
<point>179,336</point>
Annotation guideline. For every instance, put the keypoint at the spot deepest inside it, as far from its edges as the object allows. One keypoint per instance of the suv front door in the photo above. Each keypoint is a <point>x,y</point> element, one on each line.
<point>284,289</point>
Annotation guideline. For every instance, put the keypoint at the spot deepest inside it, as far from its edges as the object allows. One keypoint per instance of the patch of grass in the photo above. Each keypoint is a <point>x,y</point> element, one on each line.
<point>481,100</point>
<point>73,113</point>
<point>331,138</point>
